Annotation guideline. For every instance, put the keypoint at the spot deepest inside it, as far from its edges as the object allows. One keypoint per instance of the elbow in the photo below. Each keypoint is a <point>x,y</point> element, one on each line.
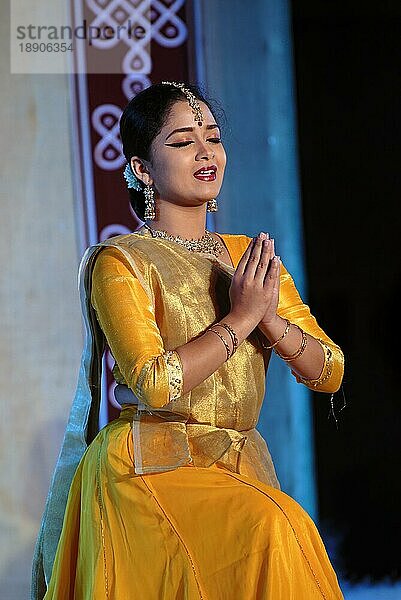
<point>151,387</point>
<point>159,381</point>
<point>333,383</point>
<point>330,387</point>
<point>153,396</point>
<point>332,374</point>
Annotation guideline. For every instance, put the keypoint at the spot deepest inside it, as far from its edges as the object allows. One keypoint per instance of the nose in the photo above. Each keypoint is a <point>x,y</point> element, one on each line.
<point>204,150</point>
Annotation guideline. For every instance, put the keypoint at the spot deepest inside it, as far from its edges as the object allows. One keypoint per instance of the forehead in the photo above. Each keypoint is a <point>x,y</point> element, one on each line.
<point>181,115</point>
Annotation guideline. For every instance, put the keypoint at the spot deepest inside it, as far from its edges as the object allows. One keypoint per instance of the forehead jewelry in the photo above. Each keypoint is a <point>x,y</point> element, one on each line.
<point>192,100</point>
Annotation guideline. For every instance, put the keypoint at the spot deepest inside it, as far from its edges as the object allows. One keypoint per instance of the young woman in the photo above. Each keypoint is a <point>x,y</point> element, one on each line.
<point>178,497</point>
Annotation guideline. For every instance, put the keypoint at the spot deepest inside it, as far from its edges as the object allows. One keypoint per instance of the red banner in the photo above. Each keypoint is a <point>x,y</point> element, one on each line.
<point>103,209</point>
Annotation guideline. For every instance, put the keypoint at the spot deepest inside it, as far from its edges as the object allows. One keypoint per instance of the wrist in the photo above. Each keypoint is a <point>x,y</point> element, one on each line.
<point>270,326</point>
<point>241,324</point>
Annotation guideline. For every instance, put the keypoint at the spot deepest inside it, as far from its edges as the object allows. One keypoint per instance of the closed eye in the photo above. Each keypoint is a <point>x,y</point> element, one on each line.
<point>182,144</point>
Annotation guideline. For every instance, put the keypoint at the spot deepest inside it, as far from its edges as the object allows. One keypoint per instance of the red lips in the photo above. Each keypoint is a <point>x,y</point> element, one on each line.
<point>207,173</point>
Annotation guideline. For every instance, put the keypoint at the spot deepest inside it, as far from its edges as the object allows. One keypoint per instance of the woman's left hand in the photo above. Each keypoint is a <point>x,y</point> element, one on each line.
<point>271,313</point>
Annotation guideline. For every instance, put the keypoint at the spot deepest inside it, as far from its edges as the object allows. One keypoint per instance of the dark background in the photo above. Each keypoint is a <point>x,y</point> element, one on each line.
<point>347,64</point>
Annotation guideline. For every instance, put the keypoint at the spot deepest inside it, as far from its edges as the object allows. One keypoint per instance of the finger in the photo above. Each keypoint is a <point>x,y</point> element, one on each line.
<point>244,258</point>
<point>276,285</point>
<point>264,261</point>
<point>272,277</point>
<point>272,253</point>
<point>253,260</point>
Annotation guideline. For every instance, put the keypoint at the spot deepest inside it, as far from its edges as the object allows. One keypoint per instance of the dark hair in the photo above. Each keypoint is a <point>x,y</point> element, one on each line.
<point>143,119</point>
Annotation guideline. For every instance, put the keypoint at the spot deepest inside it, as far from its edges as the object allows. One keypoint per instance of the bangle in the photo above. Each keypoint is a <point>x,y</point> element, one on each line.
<point>286,330</point>
<point>298,352</point>
<point>232,334</point>
<point>223,340</point>
<point>327,367</point>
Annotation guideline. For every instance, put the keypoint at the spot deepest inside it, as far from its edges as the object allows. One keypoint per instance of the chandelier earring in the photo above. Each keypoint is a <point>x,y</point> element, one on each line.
<point>212,205</point>
<point>149,203</point>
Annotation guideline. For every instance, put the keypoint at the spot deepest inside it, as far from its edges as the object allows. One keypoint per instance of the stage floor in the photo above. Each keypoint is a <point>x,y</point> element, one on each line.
<point>368,592</point>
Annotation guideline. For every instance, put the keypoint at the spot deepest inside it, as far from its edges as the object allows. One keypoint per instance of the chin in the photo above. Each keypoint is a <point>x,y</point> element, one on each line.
<point>210,190</point>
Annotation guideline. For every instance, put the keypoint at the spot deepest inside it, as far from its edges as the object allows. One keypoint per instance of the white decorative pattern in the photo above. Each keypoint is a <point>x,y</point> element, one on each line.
<point>176,30</point>
<point>108,153</point>
<point>167,29</point>
<point>105,121</point>
<point>133,83</point>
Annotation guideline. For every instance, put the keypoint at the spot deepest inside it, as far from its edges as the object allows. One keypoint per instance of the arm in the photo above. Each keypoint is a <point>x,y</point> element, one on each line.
<point>321,366</point>
<point>127,318</point>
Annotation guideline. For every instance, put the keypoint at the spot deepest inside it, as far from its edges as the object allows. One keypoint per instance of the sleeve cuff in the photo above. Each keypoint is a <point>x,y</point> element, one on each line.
<point>166,368</point>
<point>175,373</point>
<point>326,371</point>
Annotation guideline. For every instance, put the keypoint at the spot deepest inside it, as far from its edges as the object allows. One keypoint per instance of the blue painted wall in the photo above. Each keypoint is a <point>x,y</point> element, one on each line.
<point>245,60</point>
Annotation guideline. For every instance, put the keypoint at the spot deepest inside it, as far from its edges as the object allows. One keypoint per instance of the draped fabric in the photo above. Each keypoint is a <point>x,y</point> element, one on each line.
<point>177,479</point>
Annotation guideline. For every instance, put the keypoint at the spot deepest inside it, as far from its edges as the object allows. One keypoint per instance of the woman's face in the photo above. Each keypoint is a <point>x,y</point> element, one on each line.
<point>187,167</point>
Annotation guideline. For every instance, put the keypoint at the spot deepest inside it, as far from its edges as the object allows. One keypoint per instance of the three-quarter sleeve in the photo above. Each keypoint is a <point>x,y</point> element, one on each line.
<point>127,317</point>
<point>292,308</point>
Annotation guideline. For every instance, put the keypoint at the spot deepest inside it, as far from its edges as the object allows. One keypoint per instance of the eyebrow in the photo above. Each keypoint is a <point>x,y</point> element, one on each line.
<point>212,126</point>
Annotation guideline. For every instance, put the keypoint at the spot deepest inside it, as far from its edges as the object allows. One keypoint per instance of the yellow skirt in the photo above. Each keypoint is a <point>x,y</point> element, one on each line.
<point>187,534</point>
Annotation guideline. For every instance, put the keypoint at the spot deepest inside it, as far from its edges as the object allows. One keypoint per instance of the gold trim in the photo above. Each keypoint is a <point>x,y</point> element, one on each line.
<point>175,373</point>
<point>327,367</point>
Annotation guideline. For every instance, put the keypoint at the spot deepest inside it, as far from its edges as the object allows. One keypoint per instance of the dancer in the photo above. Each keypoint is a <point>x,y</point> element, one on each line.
<point>178,497</point>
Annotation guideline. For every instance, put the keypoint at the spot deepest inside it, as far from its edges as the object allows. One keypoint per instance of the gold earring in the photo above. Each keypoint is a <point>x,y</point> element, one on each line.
<point>212,205</point>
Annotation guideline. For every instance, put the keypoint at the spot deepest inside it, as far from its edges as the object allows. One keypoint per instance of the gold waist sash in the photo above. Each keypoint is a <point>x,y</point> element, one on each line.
<point>164,440</point>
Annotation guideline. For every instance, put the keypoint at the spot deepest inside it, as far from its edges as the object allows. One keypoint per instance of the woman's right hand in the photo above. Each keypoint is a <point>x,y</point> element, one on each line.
<point>255,284</point>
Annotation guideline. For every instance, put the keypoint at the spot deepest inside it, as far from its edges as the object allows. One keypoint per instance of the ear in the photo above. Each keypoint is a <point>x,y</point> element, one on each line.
<point>140,170</point>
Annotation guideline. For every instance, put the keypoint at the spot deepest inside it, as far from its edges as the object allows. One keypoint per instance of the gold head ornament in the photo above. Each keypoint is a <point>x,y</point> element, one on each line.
<point>192,100</point>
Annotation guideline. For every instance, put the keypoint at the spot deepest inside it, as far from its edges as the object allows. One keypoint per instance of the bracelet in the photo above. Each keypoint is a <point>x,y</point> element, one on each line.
<point>232,334</point>
<point>300,350</point>
<point>286,330</point>
<point>327,367</point>
<point>223,340</point>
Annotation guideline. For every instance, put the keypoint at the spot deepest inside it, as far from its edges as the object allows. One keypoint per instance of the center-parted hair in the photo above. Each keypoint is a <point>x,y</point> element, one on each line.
<point>142,120</point>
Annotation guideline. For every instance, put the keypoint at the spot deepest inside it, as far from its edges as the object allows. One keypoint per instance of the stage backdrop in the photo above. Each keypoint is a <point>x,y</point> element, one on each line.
<point>250,69</point>
<point>98,100</point>
<point>64,189</point>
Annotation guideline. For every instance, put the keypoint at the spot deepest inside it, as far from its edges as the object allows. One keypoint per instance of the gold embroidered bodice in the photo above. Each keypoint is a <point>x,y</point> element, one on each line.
<point>152,295</point>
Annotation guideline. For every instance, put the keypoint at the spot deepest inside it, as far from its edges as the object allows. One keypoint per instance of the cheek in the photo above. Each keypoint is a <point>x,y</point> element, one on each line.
<point>172,176</point>
<point>223,161</point>
<point>222,155</point>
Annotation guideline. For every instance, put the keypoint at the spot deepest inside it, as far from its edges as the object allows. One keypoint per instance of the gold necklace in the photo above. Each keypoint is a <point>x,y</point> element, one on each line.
<point>204,244</point>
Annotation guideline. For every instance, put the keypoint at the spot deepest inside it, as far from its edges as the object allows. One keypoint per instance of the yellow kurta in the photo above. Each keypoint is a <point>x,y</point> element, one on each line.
<point>182,501</point>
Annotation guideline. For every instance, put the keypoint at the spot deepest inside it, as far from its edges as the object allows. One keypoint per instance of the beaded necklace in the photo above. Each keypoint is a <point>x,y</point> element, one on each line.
<point>204,244</point>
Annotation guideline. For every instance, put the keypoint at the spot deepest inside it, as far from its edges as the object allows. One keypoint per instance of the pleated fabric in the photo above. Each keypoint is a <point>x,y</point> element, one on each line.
<point>185,534</point>
<point>186,507</point>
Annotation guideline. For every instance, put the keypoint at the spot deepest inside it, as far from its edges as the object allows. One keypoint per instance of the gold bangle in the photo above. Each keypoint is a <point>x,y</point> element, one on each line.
<point>327,367</point>
<point>286,330</point>
<point>232,334</point>
<point>223,340</point>
<point>298,352</point>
